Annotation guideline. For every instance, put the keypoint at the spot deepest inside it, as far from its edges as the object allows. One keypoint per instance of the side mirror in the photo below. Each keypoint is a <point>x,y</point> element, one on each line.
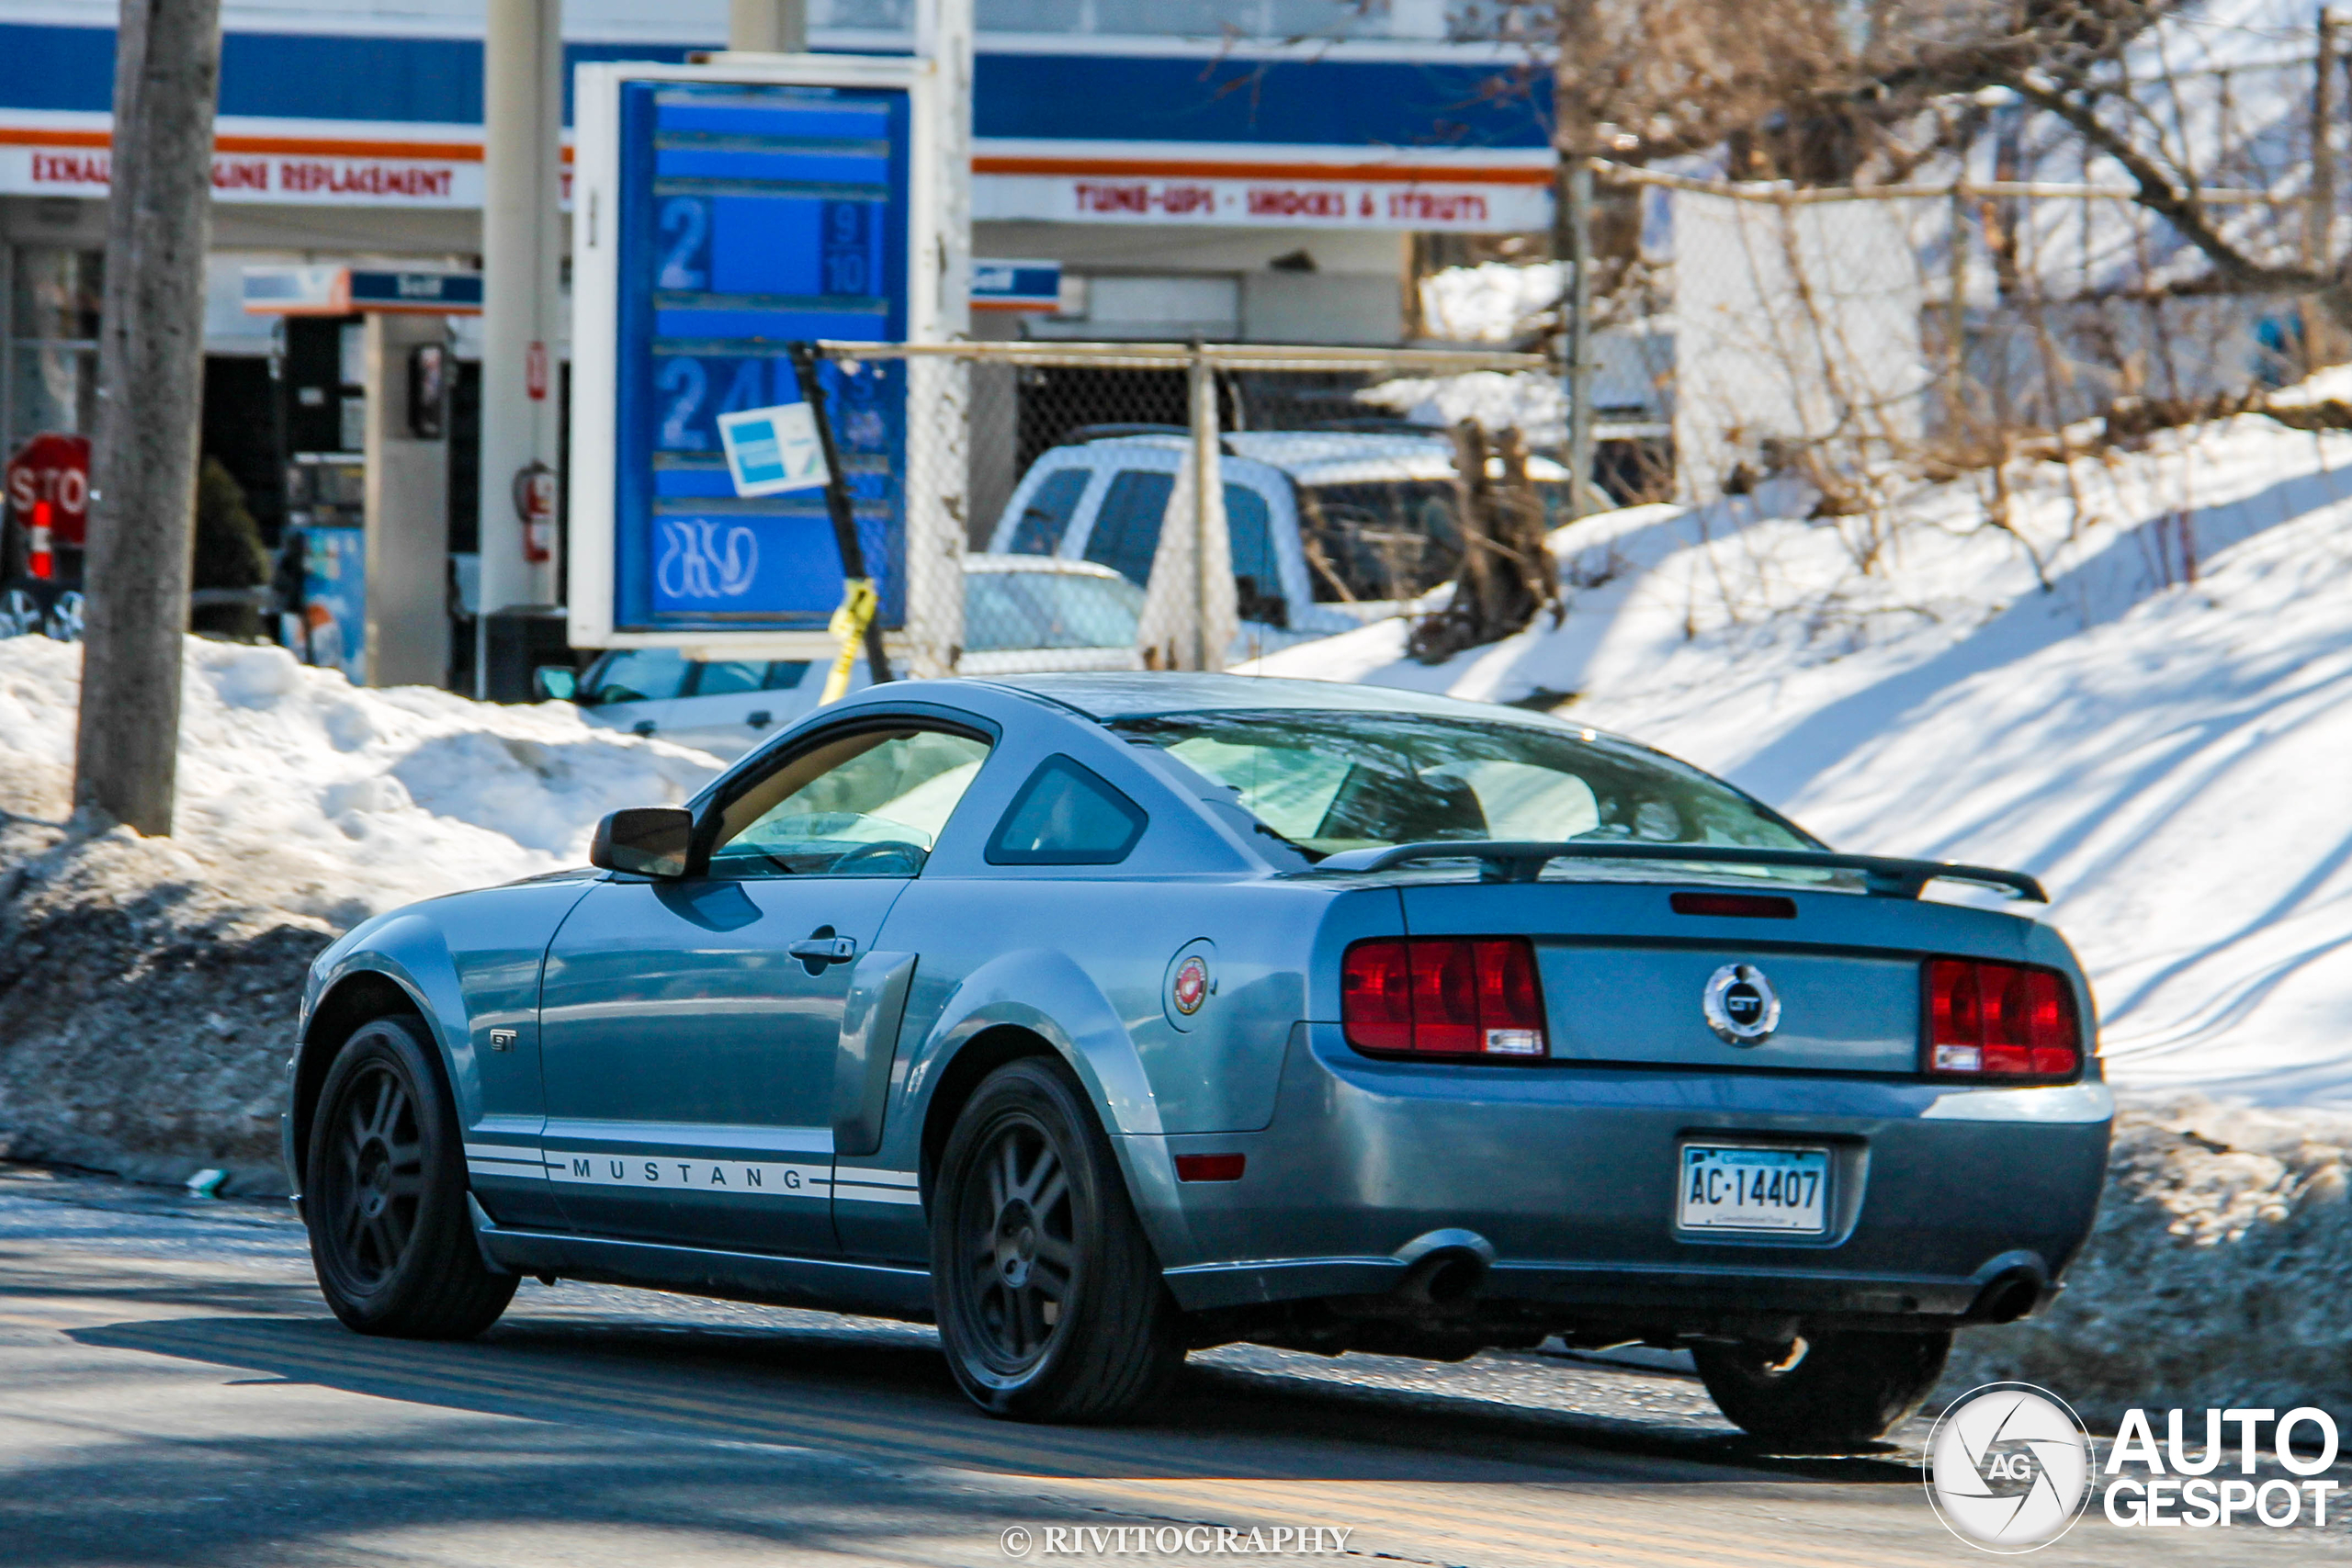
<point>556,683</point>
<point>649,841</point>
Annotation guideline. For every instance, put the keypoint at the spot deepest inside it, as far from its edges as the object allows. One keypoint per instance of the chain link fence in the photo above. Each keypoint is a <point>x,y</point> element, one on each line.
<point>1096,505</point>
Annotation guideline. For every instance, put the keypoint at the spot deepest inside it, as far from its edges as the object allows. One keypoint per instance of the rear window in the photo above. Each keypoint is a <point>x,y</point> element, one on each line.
<point>1009,610</point>
<point>1391,540</point>
<point>1329,782</point>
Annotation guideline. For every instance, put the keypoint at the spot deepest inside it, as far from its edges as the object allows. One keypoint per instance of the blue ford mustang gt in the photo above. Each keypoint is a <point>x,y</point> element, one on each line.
<point>1099,1018</point>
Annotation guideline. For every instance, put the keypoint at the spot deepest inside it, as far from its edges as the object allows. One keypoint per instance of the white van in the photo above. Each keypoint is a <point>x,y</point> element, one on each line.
<point>1329,529</point>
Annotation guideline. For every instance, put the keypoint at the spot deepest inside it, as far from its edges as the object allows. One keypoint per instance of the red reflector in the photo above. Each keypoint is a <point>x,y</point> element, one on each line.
<point>1747,906</point>
<point>1210,1167</point>
<point>1444,996</point>
<point>2000,1020</point>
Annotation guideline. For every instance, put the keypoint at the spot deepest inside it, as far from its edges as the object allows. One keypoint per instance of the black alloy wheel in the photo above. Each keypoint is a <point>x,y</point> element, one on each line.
<point>385,1195</point>
<point>1051,1305</point>
<point>373,1176</point>
<point>1019,1245</point>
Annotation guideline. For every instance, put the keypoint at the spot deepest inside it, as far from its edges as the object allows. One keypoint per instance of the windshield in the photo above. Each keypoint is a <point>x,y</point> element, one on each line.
<point>1009,610</point>
<point>1329,782</point>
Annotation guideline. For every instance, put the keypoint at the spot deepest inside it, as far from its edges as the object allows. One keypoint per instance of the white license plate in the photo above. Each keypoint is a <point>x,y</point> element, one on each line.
<point>1733,1189</point>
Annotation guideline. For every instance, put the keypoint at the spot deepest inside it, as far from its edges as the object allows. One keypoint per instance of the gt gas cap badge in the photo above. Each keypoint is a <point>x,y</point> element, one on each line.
<point>1740,1004</point>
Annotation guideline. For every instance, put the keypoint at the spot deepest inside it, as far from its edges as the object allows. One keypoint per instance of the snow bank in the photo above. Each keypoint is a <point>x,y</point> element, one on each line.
<point>2213,1278</point>
<point>2140,689</point>
<point>300,793</point>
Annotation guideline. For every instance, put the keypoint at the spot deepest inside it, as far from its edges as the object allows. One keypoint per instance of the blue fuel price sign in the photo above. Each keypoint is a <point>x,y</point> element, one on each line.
<point>720,217</point>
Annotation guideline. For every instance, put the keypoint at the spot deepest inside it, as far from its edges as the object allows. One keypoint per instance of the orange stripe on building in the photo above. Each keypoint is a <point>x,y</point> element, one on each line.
<point>1400,174</point>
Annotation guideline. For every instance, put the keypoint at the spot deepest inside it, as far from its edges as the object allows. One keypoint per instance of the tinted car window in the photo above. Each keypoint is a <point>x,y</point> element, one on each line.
<point>1038,530</point>
<point>785,674</point>
<point>1256,582</point>
<point>1067,815</point>
<point>1126,529</point>
<point>1379,540</point>
<point>718,677</point>
<point>1328,781</point>
<point>1006,610</point>
<point>637,675</point>
<point>867,804</point>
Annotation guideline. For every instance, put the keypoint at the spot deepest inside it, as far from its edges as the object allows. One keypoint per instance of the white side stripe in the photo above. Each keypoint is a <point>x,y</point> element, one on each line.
<point>877,1186</point>
<point>698,1175</point>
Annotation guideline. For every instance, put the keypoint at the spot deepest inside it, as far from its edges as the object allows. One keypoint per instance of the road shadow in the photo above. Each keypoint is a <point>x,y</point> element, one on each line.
<point>887,1397</point>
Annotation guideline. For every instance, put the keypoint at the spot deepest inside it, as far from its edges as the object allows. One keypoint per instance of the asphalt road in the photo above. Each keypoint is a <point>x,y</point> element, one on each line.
<point>172,1391</point>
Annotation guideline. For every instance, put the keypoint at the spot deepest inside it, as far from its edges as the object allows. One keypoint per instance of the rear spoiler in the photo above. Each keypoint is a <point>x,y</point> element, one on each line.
<point>1885,877</point>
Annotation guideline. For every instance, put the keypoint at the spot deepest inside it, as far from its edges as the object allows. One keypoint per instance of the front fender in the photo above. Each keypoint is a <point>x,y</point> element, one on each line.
<point>406,953</point>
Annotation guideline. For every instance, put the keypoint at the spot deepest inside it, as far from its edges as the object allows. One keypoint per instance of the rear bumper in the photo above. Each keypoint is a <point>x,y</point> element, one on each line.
<point>1568,1175</point>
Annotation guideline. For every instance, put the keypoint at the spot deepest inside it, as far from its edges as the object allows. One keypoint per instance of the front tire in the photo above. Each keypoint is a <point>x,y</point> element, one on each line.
<point>384,1195</point>
<point>1829,1391</point>
<point>1051,1306</point>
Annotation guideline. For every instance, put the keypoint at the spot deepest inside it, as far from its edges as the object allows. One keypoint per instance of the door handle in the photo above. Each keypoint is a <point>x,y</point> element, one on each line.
<point>822,948</point>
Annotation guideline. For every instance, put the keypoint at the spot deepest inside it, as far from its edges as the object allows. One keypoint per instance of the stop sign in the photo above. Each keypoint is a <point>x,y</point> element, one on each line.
<point>55,468</point>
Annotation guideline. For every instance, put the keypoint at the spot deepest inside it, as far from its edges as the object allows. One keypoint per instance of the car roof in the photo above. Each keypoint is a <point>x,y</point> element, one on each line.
<point>1332,457</point>
<point>1050,566</point>
<point>1118,694</point>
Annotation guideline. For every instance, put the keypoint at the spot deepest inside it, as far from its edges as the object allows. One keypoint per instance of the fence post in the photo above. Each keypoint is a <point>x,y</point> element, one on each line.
<point>1581,339</point>
<point>1217,618</point>
<point>1956,309</point>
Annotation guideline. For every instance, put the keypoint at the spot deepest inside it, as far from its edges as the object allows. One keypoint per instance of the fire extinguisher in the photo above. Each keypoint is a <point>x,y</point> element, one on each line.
<point>534,499</point>
<point>41,553</point>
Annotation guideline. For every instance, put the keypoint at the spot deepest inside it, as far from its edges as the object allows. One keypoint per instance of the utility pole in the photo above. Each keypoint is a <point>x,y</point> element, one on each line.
<point>522,318</point>
<point>768,26</point>
<point>1576,140</point>
<point>151,378</point>
<point>2321,341</point>
<point>1581,339</point>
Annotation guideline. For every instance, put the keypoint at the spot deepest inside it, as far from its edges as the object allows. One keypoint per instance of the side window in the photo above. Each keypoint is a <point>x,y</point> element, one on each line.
<point>1039,529</point>
<point>1256,582</point>
<point>786,675</point>
<point>1127,529</point>
<point>1067,815</point>
<point>867,804</point>
<point>722,678</point>
<point>637,675</point>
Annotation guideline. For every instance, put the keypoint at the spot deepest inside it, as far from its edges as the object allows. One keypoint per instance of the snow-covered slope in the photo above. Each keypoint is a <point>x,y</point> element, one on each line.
<point>2163,733</point>
<point>301,791</point>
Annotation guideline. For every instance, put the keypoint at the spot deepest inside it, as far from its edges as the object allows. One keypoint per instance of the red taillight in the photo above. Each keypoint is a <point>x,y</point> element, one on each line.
<point>1444,996</point>
<point>2000,1020</point>
<point>1376,996</point>
<point>1211,1167</point>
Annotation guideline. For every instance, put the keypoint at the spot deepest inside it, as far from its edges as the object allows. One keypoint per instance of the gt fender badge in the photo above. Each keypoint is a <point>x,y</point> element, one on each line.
<point>1740,1004</point>
<point>1192,986</point>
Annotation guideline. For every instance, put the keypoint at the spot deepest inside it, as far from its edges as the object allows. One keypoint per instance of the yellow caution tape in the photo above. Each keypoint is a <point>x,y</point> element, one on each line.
<point>848,623</point>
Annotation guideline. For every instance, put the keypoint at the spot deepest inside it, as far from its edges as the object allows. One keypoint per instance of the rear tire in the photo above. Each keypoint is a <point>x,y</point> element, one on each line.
<point>384,1195</point>
<point>1832,1390</point>
<point>1051,1305</point>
